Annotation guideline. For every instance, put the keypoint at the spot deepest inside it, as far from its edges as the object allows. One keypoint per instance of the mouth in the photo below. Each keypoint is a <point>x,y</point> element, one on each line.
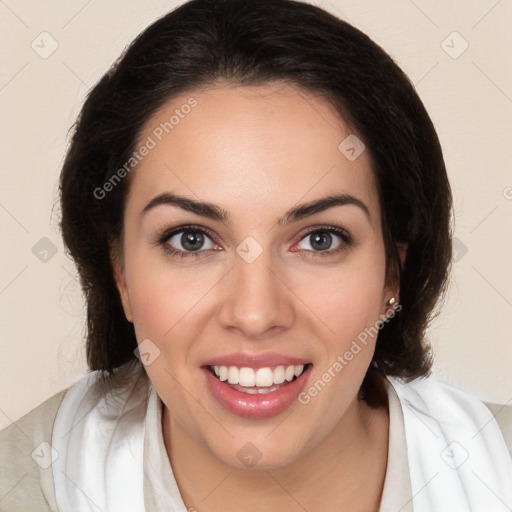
<point>256,392</point>
<point>260,380</point>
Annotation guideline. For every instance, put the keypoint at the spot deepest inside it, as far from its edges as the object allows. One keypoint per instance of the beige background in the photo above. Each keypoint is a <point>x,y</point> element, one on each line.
<point>468,98</point>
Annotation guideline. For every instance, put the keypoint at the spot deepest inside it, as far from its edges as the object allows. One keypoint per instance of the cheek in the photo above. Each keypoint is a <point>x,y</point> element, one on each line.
<point>349,299</point>
<point>156,292</point>
<point>360,306</point>
<point>350,306</point>
<point>161,304</point>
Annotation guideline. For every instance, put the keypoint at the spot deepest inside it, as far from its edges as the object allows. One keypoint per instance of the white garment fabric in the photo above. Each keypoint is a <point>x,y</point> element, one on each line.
<point>457,456</point>
<point>99,442</point>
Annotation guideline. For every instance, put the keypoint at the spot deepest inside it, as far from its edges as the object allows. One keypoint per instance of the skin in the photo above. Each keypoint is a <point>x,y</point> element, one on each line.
<point>257,152</point>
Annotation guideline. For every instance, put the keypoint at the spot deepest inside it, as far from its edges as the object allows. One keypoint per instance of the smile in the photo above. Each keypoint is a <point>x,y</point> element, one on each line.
<point>256,392</point>
<point>262,378</point>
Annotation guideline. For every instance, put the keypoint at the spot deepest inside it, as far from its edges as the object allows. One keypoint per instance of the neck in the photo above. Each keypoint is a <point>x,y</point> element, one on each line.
<point>332,476</point>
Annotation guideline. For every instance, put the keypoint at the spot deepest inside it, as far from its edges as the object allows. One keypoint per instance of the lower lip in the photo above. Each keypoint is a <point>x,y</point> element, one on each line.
<point>256,406</point>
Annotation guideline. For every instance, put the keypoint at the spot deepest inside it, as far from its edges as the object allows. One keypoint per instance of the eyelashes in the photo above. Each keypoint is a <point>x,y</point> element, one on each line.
<point>164,238</point>
<point>200,235</point>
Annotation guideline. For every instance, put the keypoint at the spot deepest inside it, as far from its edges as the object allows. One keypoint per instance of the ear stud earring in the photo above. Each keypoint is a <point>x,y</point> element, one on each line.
<point>391,301</point>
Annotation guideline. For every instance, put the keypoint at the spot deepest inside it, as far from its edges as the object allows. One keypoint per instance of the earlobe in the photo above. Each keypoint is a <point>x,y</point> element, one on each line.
<point>119,278</point>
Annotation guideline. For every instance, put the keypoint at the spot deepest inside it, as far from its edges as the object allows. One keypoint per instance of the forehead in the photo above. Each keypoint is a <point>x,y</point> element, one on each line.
<point>246,147</point>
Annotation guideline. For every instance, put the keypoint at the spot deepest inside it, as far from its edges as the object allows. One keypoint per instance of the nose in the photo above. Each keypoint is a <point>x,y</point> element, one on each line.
<point>256,300</point>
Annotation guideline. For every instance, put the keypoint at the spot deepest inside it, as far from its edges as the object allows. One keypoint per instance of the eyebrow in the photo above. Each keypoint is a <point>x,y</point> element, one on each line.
<point>216,213</point>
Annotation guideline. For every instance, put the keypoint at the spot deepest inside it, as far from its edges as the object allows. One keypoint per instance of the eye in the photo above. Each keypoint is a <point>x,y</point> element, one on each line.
<point>189,241</point>
<point>186,241</point>
<point>321,239</point>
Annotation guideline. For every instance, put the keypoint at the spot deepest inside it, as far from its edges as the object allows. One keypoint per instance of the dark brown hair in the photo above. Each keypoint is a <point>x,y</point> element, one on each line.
<point>252,42</point>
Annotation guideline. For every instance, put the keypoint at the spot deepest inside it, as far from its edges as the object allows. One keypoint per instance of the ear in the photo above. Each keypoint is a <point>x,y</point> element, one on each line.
<point>120,280</point>
<point>392,286</point>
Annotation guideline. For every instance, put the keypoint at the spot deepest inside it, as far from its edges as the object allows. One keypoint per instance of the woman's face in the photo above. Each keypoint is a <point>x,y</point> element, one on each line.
<point>262,279</point>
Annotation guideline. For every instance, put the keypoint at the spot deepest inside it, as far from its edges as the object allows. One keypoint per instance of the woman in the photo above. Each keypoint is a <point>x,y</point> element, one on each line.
<point>258,207</point>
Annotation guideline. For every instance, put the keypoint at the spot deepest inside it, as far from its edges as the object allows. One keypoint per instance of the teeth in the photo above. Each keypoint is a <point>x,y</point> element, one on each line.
<point>262,377</point>
<point>246,377</point>
<point>233,375</point>
<point>255,390</point>
<point>222,372</point>
<point>289,373</point>
<point>279,374</point>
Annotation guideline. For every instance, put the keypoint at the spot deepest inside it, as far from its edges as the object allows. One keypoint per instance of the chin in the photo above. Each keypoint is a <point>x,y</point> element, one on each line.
<point>260,455</point>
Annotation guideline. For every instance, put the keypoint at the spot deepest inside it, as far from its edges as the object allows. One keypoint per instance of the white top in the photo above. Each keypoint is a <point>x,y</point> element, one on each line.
<point>112,454</point>
<point>83,449</point>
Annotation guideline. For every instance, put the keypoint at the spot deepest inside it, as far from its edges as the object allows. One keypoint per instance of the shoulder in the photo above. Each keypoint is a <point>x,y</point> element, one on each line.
<point>25,458</point>
<point>442,400</point>
<point>503,416</point>
<point>26,452</point>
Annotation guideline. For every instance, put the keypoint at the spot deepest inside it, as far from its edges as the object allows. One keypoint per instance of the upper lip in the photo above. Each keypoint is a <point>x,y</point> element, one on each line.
<point>248,360</point>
